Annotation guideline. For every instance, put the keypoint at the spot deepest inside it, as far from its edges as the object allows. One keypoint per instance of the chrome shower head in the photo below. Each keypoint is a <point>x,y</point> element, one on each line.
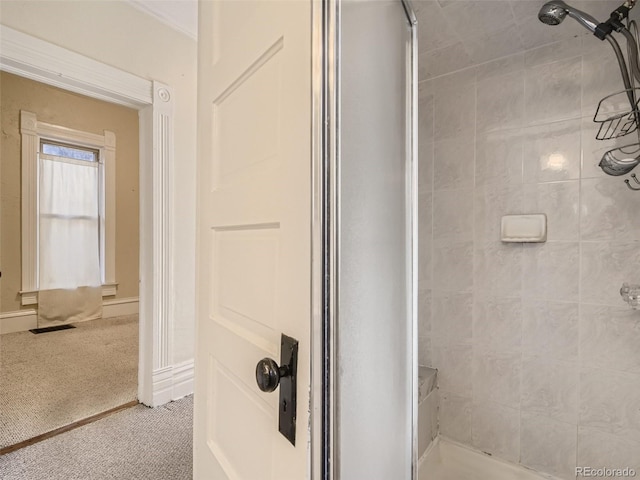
<point>554,12</point>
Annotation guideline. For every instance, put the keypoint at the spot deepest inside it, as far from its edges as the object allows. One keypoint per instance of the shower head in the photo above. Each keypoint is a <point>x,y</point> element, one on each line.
<point>554,12</point>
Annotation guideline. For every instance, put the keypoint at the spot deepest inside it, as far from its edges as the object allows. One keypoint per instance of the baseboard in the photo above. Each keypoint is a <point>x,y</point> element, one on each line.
<point>173,382</point>
<point>18,321</point>
<point>23,320</point>
<point>120,307</point>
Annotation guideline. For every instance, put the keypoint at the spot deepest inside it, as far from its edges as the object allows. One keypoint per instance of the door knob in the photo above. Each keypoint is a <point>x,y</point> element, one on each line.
<point>268,374</point>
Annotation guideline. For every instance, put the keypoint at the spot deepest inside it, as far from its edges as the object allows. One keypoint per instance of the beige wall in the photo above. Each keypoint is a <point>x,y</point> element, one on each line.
<point>53,105</point>
<point>126,38</point>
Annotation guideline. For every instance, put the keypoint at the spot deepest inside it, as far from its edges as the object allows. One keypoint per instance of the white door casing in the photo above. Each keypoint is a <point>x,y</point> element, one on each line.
<point>254,223</point>
<point>158,380</point>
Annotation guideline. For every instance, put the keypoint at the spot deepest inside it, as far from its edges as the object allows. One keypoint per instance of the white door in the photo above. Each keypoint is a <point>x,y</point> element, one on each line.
<point>254,217</point>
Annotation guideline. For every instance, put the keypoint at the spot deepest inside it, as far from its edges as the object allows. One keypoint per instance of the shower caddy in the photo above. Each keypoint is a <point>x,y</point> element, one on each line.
<point>616,121</point>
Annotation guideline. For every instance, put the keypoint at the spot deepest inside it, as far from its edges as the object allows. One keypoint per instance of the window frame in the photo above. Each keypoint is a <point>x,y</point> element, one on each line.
<point>33,132</point>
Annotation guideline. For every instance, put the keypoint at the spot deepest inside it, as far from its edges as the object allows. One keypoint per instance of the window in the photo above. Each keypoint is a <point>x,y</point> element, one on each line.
<point>68,208</point>
<point>68,151</point>
<point>68,217</point>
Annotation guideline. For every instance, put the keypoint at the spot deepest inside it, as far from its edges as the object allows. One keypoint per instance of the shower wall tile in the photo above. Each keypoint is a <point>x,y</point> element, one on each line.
<point>609,402</point>
<point>425,355</point>
<point>428,413</point>
<point>561,203</point>
<point>536,352</point>
<point>598,449</point>
<point>425,167</point>
<point>599,9</point>
<point>424,327</point>
<point>592,45</point>
<point>442,61</point>
<point>609,337</point>
<point>535,34</point>
<point>453,163</point>
<point>453,266</point>
<point>453,215</point>
<point>550,329</point>
<point>496,430</point>
<point>498,269</point>
<point>425,112</point>
<point>550,389</point>
<point>548,446</point>
<point>497,377</point>
<point>455,417</point>
<point>425,241</point>
<point>452,318</point>
<point>552,152</point>
<point>424,313</point>
<point>499,158</point>
<point>454,111</point>
<point>523,9</point>
<point>499,43</point>
<point>553,91</point>
<point>497,323</point>
<point>562,50</point>
<point>551,271</point>
<point>440,34</point>
<point>605,266</point>
<point>609,210</point>
<point>500,102</point>
<point>455,366</point>
<point>459,81</point>
<point>471,19</point>
<point>601,79</point>
<point>499,67</point>
<point>491,203</point>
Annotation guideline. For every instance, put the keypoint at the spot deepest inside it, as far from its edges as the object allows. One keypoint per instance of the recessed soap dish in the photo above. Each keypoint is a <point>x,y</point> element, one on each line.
<point>531,228</point>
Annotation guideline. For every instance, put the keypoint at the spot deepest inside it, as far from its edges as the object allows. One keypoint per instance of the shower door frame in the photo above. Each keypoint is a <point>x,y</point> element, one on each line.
<point>324,453</point>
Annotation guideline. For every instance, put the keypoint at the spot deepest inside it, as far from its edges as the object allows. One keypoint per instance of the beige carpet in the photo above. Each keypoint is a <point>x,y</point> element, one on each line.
<point>138,443</point>
<point>54,379</point>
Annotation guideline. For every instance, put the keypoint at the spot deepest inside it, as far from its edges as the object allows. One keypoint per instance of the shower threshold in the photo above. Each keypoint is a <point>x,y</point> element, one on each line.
<point>448,461</point>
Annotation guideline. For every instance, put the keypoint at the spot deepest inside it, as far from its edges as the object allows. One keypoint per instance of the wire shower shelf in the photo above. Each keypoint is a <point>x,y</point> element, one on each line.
<point>616,116</point>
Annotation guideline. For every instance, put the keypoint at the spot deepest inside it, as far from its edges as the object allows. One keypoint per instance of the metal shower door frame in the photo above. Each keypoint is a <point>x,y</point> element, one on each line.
<point>324,454</point>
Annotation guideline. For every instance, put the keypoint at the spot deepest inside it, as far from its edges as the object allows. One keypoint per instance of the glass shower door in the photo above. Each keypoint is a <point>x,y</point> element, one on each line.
<point>376,365</point>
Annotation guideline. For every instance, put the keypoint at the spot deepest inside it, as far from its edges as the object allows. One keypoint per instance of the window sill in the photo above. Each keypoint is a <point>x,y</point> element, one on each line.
<point>31,298</point>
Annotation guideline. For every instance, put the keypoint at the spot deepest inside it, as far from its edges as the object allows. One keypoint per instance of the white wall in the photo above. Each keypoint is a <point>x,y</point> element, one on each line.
<point>119,35</point>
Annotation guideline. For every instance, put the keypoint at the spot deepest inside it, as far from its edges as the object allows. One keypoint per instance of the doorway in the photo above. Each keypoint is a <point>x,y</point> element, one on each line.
<point>159,379</point>
<point>70,241</point>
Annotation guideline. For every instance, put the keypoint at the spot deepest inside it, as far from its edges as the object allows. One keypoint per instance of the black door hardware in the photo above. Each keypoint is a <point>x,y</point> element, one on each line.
<point>269,375</point>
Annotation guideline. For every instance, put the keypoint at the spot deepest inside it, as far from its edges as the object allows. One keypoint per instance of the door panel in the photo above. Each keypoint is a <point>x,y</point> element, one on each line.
<point>254,217</point>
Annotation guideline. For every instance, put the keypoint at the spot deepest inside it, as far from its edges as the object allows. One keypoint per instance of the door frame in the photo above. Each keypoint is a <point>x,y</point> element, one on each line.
<point>325,74</point>
<point>21,54</point>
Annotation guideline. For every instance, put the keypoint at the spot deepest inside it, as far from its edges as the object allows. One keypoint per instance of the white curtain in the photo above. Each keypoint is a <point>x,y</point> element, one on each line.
<point>69,253</point>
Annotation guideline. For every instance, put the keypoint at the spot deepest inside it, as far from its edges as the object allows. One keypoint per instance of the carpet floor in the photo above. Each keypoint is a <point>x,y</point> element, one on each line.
<point>138,443</point>
<point>54,379</point>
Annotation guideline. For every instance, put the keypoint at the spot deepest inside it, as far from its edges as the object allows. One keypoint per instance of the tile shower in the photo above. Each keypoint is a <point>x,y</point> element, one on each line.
<point>538,357</point>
